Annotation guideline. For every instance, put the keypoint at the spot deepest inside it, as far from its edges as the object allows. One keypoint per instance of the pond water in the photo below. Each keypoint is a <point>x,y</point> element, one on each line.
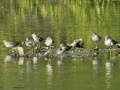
<point>64,20</point>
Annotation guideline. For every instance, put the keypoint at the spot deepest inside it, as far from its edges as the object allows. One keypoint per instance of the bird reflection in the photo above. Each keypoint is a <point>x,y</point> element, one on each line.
<point>32,63</point>
<point>109,68</point>
<point>109,64</point>
<point>29,64</point>
<point>60,61</point>
<point>7,59</point>
<point>21,61</point>
<point>35,60</point>
<point>96,61</point>
<point>49,72</point>
<point>49,68</point>
<point>77,59</point>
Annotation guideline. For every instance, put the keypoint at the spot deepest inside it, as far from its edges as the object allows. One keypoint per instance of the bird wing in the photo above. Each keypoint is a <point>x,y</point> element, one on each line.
<point>40,39</point>
<point>114,42</point>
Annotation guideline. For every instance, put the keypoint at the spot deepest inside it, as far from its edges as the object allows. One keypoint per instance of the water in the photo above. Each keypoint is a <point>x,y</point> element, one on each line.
<point>65,21</point>
<point>60,73</point>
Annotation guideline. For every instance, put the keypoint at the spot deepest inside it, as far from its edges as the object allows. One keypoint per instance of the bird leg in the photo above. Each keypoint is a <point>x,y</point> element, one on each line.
<point>32,49</point>
<point>96,45</point>
<point>13,50</point>
<point>39,45</point>
<point>10,51</point>
<point>51,47</point>
<point>110,52</point>
<point>29,49</point>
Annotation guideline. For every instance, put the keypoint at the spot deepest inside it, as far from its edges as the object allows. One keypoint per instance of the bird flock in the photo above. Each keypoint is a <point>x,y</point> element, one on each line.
<point>33,40</point>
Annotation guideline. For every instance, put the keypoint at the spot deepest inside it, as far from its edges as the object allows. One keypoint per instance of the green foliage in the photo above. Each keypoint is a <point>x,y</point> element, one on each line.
<point>65,20</point>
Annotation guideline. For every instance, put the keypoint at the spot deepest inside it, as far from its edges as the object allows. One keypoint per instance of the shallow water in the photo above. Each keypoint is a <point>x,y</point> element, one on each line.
<point>60,73</point>
<point>65,21</point>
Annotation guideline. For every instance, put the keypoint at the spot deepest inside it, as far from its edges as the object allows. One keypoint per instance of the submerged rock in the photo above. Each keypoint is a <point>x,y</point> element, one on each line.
<point>45,52</point>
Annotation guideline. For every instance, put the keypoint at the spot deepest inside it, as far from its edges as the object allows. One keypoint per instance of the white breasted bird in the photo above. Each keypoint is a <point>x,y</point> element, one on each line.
<point>49,42</point>
<point>96,38</point>
<point>37,39</point>
<point>10,44</point>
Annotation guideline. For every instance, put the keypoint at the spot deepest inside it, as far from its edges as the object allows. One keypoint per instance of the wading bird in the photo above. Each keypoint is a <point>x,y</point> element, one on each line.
<point>110,42</point>
<point>96,38</point>
<point>49,42</point>
<point>37,39</point>
<point>30,43</point>
<point>10,44</point>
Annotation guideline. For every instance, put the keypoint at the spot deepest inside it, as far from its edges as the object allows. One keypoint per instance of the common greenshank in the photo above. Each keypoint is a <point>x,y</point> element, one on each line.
<point>96,38</point>
<point>109,41</point>
<point>30,42</point>
<point>10,44</point>
<point>49,42</point>
<point>37,39</point>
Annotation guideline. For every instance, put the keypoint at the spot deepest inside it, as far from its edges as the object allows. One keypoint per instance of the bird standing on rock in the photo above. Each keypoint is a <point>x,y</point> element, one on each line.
<point>65,47</point>
<point>77,43</point>
<point>96,38</point>
<point>49,42</point>
<point>109,41</point>
<point>62,48</point>
<point>80,43</point>
<point>10,44</point>
<point>37,39</point>
<point>30,42</point>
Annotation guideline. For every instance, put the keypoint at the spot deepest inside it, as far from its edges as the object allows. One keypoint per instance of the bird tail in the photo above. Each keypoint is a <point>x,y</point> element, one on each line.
<point>118,45</point>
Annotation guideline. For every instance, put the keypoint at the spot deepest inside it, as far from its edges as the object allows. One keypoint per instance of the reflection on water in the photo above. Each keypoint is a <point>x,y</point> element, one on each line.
<point>21,74</point>
<point>96,70</point>
<point>32,63</point>
<point>7,58</point>
<point>77,59</point>
<point>96,62</point>
<point>21,61</point>
<point>35,60</point>
<point>57,68</point>
<point>49,72</point>
<point>109,70</point>
<point>60,62</point>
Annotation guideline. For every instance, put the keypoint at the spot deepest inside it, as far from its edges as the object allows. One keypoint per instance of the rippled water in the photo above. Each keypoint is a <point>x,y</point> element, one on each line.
<point>64,20</point>
<point>60,73</point>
